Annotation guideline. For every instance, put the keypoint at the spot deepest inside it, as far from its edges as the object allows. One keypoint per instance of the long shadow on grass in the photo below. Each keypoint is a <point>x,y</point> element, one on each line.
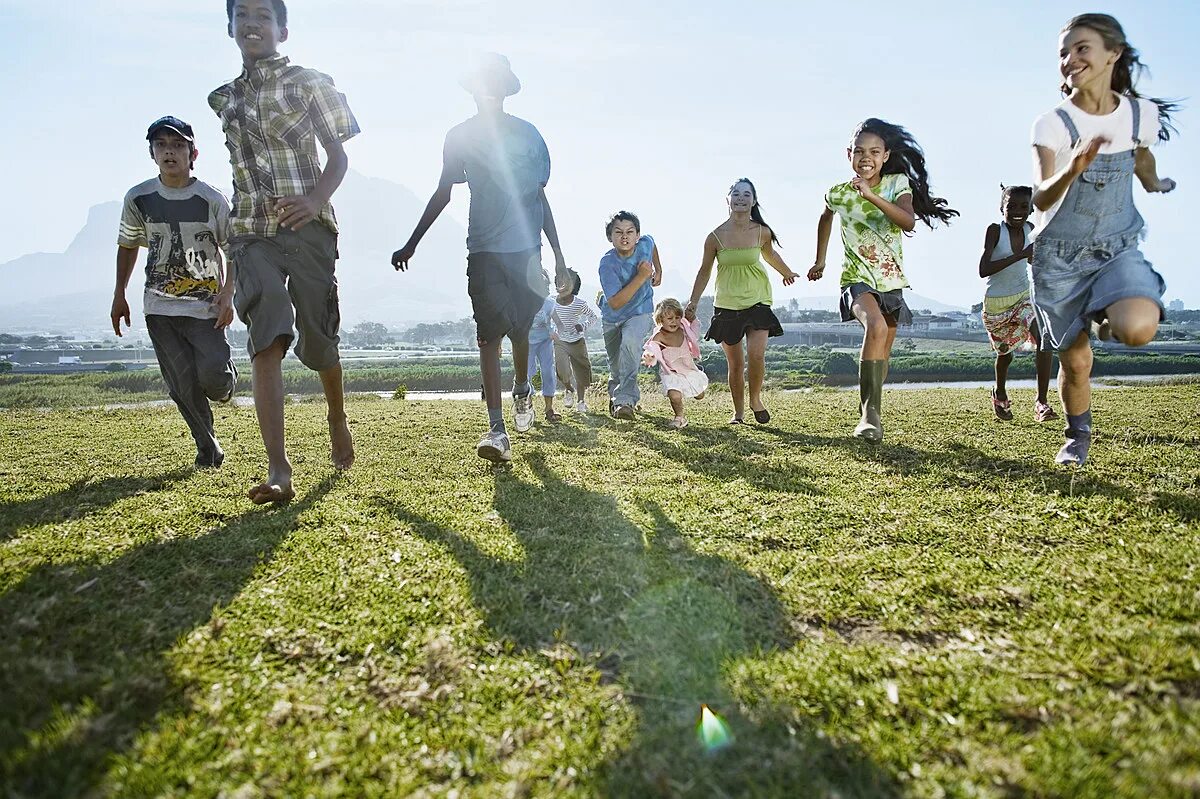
<point>83,646</point>
<point>662,620</point>
<point>725,454</point>
<point>81,498</point>
<point>969,466</point>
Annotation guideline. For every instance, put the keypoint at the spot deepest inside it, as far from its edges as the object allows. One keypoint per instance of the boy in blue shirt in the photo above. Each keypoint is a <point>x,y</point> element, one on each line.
<point>628,273</point>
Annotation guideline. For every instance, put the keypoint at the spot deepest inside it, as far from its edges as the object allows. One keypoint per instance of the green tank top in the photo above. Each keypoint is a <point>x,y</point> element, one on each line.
<point>742,280</point>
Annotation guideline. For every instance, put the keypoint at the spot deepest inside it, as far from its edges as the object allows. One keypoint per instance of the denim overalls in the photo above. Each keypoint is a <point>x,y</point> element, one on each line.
<point>1087,257</point>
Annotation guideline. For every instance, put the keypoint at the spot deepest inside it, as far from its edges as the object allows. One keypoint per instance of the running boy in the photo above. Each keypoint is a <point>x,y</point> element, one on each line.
<point>504,162</point>
<point>188,299</point>
<point>284,230</point>
<point>628,273</point>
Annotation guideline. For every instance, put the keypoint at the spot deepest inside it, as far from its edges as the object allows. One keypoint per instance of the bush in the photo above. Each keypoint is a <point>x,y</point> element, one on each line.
<point>400,392</point>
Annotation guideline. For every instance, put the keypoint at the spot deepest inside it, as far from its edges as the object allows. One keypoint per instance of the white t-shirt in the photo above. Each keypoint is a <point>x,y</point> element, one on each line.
<point>1050,131</point>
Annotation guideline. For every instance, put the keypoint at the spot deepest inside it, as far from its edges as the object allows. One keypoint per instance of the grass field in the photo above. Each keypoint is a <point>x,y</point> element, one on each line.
<point>945,615</point>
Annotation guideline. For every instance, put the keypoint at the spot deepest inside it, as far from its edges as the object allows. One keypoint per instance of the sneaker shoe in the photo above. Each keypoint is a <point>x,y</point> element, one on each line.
<point>623,412</point>
<point>678,423</point>
<point>523,412</point>
<point>569,399</point>
<point>581,407</point>
<point>494,447</point>
<point>612,407</point>
<point>1042,412</point>
<point>1002,408</point>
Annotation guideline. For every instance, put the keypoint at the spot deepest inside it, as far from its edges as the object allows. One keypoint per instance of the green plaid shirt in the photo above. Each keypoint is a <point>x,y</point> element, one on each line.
<point>273,116</point>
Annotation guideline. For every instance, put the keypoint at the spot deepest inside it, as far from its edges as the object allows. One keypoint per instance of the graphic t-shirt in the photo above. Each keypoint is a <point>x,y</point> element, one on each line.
<point>1051,132</point>
<point>872,242</point>
<point>505,163</point>
<point>182,230</point>
<point>616,273</point>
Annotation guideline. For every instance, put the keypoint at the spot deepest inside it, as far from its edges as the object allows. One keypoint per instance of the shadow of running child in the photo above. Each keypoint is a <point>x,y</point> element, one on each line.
<point>663,621</point>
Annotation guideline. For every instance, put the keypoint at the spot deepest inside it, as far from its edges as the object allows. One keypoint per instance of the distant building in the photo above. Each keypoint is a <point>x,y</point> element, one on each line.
<point>1176,305</point>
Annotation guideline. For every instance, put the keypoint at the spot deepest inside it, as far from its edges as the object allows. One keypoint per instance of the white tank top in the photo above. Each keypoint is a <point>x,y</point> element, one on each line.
<point>1014,278</point>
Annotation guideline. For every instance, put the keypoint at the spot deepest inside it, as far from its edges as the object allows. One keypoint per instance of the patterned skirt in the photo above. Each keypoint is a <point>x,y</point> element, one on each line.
<point>1009,322</point>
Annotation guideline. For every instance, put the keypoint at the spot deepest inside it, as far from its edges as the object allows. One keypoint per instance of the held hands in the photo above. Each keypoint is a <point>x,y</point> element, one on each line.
<point>816,271</point>
<point>560,268</point>
<point>402,256</point>
<point>120,310</point>
<point>689,311</point>
<point>223,305</point>
<point>296,211</point>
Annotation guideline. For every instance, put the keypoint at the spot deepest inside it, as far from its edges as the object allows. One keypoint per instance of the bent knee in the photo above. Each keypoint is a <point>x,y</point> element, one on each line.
<point>1135,333</point>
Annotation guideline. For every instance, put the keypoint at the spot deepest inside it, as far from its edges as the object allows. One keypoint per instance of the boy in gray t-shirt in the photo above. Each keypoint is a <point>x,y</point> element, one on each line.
<point>188,298</point>
<point>505,163</point>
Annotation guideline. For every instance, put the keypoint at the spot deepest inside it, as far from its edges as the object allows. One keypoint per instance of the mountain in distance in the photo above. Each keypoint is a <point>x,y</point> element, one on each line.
<point>70,292</point>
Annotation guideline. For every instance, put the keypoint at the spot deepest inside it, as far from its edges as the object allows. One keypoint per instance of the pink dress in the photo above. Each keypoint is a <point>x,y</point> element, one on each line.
<point>677,369</point>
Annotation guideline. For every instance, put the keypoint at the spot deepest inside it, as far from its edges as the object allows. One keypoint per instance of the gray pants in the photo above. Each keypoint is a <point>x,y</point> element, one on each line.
<point>197,367</point>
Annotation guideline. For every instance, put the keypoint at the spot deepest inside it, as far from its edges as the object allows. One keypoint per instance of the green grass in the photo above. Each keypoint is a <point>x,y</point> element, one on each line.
<point>426,624</point>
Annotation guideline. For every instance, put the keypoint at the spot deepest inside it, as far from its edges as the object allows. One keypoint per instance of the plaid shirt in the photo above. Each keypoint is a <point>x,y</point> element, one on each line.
<point>273,116</point>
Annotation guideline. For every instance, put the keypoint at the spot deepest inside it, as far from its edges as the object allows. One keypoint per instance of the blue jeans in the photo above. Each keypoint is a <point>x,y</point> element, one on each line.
<point>624,342</point>
<point>541,356</point>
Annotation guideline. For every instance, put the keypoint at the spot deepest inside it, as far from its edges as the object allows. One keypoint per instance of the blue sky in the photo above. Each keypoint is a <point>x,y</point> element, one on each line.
<point>654,106</point>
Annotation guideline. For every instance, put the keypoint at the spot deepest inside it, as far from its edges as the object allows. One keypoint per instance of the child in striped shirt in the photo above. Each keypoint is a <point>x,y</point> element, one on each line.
<point>572,317</point>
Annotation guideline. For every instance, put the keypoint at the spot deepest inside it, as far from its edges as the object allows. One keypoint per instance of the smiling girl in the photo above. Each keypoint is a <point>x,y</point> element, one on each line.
<point>675,346</point>
<point>887,195</point>
<point>1087,268</point>
<point>743,304</point>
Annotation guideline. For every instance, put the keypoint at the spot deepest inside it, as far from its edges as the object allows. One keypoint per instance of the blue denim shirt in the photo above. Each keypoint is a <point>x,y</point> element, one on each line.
<point>616,273</point>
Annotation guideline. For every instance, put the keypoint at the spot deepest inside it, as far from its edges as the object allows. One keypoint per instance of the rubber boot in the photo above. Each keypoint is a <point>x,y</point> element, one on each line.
<point>870,394</point>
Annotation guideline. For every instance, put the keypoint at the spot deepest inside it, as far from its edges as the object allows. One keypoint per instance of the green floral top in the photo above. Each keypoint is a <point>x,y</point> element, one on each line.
<point>872,242</point>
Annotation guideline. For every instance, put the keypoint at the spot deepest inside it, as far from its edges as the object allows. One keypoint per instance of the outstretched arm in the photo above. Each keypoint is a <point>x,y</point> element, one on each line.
<point>774,259</point>
<point>1146,169</point>
<point>824,231</point>
<point>560,263</point>
<point>437,204</point>
<point>703,275</point>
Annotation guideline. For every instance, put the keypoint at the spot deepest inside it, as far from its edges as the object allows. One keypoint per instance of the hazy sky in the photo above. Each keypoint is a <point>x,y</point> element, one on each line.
<point>651,106</point>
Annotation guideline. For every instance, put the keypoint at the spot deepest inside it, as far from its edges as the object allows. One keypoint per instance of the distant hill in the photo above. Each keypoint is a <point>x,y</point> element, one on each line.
<point>69,292</point>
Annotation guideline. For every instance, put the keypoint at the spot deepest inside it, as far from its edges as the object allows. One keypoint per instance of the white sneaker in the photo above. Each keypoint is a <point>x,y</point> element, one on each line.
<point>569,399</point>
<point>523,412</point>
<point>581,407</point>
<point>494,447</point>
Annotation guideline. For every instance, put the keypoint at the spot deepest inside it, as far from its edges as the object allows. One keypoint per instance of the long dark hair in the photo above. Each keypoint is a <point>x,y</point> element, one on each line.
<point>755,210</point>
<point>907,158</point>
<point>1127,70</point>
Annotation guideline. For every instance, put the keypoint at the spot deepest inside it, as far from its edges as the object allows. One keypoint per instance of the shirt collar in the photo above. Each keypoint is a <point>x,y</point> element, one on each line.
<point>270,64</point>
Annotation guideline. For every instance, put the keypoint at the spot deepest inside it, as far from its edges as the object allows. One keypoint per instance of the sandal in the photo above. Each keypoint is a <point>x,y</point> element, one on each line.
<point>763,416</point>
<point>737,420</point>
<point>553,416</point>
<point>1002,408</point>
<point>679,422</point>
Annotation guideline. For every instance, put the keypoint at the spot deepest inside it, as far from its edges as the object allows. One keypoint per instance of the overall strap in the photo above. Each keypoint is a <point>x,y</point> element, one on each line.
<point>720,246</point>
<point>1137,120</point>
<point>1071,129</point>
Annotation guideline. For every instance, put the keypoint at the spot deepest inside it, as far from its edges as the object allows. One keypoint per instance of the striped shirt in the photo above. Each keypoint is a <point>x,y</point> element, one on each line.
<point>273,115</point>
<point>568,317</point>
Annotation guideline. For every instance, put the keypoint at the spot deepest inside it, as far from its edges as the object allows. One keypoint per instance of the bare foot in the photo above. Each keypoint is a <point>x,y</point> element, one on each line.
<point>342,443</point>
<point>272,490</point>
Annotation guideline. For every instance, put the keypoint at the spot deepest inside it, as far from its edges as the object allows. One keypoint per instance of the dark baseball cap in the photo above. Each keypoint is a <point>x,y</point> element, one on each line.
<point>171,123</point>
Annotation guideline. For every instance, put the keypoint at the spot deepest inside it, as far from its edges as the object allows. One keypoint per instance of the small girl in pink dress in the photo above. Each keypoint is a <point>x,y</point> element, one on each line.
<point>675,346</point>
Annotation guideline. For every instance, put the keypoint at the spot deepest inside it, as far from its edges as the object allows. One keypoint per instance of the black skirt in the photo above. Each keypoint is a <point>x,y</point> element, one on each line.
<point>729,327</point>
<point>891,303</point>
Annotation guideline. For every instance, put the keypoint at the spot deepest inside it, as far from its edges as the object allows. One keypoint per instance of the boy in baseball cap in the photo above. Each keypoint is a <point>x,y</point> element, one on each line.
<point>188,295</point>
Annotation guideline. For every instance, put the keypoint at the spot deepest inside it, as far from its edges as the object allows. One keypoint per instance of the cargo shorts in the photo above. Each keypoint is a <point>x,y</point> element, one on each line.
<point>287,281</point>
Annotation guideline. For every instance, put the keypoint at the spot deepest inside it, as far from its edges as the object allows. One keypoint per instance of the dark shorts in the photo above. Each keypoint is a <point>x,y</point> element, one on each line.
<point>507,290</point>
<point>288,280</point>
<point>891,303</point>
<point>730,327</point>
